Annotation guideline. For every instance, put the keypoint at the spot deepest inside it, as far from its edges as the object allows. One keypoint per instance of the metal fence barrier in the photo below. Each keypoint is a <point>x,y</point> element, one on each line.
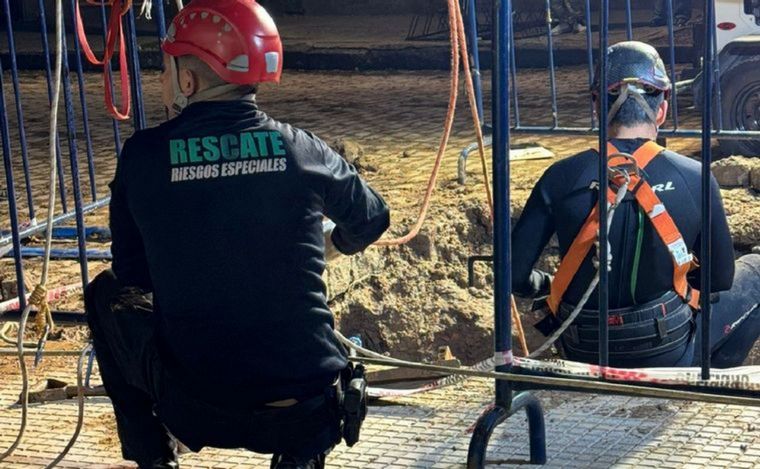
<point>735,122</point>
<point>505,107</point>
<point>82,176</point>
<point>506,121</point>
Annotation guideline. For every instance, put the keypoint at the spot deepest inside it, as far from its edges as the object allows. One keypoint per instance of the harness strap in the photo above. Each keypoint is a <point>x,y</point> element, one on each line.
<point>118,10</point>
<point>663,224</point>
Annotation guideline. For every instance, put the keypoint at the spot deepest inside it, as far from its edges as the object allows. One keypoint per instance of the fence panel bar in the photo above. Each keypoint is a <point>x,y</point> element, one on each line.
<point>513,66</point>
<point>716,70</point>
<point>502,226</point>
<point>672,47</point>
<point>590,59</point>
<point>19,109</point>
<point>472,43</point>
<point>134,65</point>
<point>628,20</point>
<point>603,185</point>
<point>83,101</point>
<point>552,71</point>
<point>48,76</point>
<point>109,71</point>
<point>11,193</point>
<point>42,225</point>
<point>706,233</point>
<point>73,158</point>
<point>161,21</point>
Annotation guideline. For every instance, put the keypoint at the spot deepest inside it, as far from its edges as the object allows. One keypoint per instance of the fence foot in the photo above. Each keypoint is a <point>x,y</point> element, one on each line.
<point>488,422</point>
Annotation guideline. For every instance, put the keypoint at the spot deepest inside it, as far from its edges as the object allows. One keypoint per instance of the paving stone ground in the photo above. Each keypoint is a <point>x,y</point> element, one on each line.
<point>397,118</point>
<point>433,431</point>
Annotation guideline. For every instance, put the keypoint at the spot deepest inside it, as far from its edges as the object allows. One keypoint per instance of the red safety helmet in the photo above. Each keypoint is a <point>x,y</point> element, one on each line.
<point>236,38</point>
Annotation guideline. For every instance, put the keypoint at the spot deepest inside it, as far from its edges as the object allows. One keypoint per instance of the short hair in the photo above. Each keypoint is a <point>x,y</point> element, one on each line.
<point>631,113</point>
<point>208,76</point>
<point>201,70</point>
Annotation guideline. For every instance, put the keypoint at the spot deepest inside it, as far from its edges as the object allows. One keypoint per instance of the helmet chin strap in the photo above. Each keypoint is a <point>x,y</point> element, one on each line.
<point>181,101</point>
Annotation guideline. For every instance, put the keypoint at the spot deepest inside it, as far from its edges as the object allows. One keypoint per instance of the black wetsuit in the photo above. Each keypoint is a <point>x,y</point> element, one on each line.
<point>565,195</point>
<point>219,214</point>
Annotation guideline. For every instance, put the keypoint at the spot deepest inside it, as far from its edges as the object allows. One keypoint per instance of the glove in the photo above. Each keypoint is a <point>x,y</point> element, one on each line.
<point>331,252</point>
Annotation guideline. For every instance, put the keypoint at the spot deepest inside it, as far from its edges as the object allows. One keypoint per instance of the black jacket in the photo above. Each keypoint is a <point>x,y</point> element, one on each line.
<point>565,195</point>
<point>219,212</point>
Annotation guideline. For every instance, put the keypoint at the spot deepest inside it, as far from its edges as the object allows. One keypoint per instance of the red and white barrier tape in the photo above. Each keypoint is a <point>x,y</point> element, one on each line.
<point>52,295</point>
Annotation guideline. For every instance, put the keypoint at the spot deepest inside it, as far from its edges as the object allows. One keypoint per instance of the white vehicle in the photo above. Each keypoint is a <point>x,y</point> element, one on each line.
<point>738,45</point>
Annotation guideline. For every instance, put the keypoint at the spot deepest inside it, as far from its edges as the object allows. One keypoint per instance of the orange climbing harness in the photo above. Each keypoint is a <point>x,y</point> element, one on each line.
<point>683,261</point>
<point>119,8</point>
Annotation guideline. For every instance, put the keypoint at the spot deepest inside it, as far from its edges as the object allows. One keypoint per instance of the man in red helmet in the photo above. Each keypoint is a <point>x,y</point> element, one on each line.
<point>653,280</point>
<point>213,322</point>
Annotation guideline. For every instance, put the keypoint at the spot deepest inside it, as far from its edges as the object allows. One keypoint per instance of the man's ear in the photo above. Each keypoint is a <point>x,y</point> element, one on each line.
<point>662,113</point>
<point>188,82</point>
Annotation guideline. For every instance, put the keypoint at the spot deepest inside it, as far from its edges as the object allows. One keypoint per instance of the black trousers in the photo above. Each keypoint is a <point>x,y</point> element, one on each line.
<point>149,401</point>
<point>570,12</point>
<point>681,9</point>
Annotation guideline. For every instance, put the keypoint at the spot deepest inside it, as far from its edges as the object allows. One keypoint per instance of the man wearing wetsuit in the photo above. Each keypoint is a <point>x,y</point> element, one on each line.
<point>213,323</point>
<point>651,323</point>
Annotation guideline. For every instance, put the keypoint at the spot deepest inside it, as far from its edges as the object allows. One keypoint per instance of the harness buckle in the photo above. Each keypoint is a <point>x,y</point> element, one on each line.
<point>662,327</point>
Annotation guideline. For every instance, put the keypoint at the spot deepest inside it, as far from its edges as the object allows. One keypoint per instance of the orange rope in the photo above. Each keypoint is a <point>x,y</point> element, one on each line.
<point>458,39</point>
<point>474,107</point>
<point>449,123</point>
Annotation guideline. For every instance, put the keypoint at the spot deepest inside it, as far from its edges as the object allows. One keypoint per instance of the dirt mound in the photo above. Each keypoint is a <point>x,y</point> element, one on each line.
<point>419,298</point>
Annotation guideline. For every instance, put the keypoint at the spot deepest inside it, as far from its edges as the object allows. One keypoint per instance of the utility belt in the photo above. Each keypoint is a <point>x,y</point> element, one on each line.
<point>637,332</point>
<point>347,399</point>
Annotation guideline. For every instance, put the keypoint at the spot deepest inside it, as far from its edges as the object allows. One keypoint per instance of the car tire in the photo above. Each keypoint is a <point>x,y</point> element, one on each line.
<point>740,100</point>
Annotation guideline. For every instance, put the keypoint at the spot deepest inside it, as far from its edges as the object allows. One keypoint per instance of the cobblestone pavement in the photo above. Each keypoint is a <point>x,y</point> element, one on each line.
<point>397,119</point>
<point>433,431</point>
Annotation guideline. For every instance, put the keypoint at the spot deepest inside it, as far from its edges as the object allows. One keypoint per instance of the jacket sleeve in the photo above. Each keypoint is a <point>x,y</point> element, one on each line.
<point>529,237</point>
<point>129,262</point>
<point>722,252</point>
<point>360,214</point>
